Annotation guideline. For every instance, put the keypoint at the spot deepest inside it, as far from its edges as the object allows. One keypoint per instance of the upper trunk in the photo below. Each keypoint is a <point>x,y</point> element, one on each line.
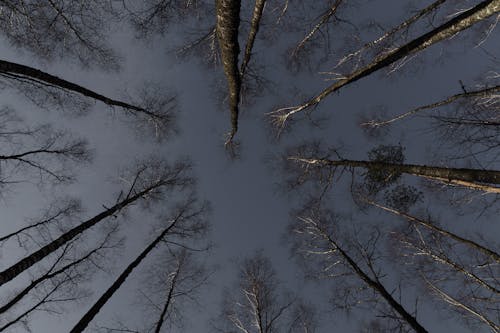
<point>94,310</point>
<point>254,28</point>
<point>14,70</point>
<point>441,173</point>
<point>228,21</point>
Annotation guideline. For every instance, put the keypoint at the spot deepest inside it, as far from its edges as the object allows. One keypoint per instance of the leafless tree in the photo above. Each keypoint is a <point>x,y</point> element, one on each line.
<point>354,264</point>
<point>385,166</point>
<point>149,181</point>
<point>464,20</point>
<point>155,16</point>
<point>37,153</point>
<point>462,276</point>
<point>61,29</point>
<point>186,222</point>
<point>259,304</point>
<point>154,106</point>
<point>57,282</point>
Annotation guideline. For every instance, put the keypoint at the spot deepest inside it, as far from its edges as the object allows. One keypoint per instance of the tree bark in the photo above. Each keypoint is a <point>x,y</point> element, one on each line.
<point>254,29</point>
<point>443,174</point>
<point>228,21</point>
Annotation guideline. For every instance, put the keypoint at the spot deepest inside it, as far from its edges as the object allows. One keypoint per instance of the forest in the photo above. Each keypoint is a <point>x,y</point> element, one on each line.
<point>267,166</point>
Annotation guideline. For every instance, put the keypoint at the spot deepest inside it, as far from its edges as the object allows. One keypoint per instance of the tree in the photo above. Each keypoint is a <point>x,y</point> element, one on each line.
<point>319,242</point>
<point>185,223</point>
<point>458,23</point>
<point>382,170</point>
<point>58,283</point>
<point>259,305</point>
<point>37,153</point>
<point>149,180</point>
<point>60,29</point>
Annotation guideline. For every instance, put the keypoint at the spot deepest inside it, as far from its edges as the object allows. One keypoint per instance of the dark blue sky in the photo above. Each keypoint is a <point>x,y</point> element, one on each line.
<point>250,212</point>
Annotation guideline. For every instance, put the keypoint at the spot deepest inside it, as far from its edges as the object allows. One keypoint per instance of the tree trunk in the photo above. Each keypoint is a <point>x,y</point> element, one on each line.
<point>25,263</point>
<point>490,253</point>
<point>170,295</point>
<point>18,71</point>
<point>254,29</point>
<point>481,93</point>
<point>228,21</point>
<point>455,175</point>
<point>374,284</point>
<point>460,22</point>
<point>94,310</point>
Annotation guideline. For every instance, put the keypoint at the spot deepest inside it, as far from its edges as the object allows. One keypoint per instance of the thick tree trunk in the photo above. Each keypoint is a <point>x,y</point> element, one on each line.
<point>455,175</point>
<point>228,21</point>
<point>18,71</point>
<point>25,263</point>
<point>460,22</point>
<point>94,310</point>
<point>254,29</point>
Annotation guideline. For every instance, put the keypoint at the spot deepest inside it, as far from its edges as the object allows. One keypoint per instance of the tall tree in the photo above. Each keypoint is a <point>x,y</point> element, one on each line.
<point>259,304</point>
<point>156,109</point>
<point>383,170</point>
<point>341,256</point>
<point>55,287</point>
<point>464,20</point>
<point>61,29</point>
<point>149,180</point>
<point>186,222</point>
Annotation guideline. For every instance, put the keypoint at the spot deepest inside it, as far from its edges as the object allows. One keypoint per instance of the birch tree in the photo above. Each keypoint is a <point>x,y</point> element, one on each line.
<point>329,253</point>
<point>185,222</point>
<point>464,20</point>
<point>258,303</point>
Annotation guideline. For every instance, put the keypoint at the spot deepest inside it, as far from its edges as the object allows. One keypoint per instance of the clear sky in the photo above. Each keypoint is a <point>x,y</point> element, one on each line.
<point>251,210</point>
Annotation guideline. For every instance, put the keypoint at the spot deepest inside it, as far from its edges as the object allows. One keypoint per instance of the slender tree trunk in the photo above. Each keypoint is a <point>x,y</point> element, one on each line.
<point>476,93</point>
<point>323,20</point>
<point>228,22</point>
<point>25,263</point>
<point>254,29</point>
<point>170,296</point>
<point>458,23</point>
<point>490,253</point>
<point>47,276</point>
<point>455,175</point>
<point>404,25</point>
<point>460,305</point>
<point>374,284</point>
<point>18,71</point>
<point>94,310</point>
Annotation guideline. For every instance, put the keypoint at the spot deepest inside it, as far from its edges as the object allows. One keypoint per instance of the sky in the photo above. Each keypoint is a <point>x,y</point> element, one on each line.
<point>251,210</point>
